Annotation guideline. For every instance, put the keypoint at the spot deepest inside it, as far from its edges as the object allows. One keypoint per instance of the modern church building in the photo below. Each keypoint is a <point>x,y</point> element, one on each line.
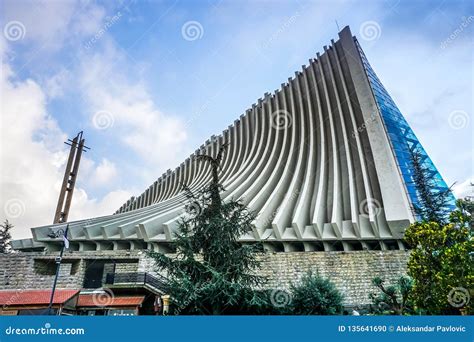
<point>323,161</point>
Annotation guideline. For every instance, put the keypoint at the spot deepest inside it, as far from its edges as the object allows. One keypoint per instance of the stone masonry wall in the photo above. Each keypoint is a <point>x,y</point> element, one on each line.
<point>351,272</point>
<point>30,270</point>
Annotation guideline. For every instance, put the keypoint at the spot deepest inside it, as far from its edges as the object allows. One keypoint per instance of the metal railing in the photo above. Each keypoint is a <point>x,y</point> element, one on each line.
<point>155,281</point>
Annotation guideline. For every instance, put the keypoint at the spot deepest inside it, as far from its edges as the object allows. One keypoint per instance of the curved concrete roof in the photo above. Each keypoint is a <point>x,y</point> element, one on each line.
<point>312,160</point>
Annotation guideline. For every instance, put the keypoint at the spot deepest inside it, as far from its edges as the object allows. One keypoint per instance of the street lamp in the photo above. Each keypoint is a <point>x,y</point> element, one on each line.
<point>55,235</point>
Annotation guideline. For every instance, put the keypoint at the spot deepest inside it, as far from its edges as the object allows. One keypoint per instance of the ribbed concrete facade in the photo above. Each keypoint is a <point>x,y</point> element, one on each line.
<point>313,160</point>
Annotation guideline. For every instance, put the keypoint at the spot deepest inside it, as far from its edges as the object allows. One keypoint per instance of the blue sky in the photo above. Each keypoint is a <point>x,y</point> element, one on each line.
<point>150,81</point>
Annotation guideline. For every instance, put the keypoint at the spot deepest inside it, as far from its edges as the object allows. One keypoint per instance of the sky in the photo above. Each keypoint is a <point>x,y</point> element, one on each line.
<point>149,81</point>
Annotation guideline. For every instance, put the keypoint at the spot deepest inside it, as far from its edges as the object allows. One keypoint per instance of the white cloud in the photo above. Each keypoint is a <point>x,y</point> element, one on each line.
<point>32,158</point>
<point>56,85</point>
<point>98,175</point>
<point>28,168</point>
<point>159,139</point>
<point>105,173</point>
<point>33,155</point>
<point>50,24</point>
<point>464,189</point>
<point>84,207</point>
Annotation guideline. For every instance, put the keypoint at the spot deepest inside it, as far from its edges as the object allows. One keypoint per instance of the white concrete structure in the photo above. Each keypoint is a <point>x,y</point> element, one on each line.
<point>313,160</point>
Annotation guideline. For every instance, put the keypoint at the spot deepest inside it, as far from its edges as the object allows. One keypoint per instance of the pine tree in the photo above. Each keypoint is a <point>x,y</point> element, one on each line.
<point>212,272</point>
<point>433,202</point>
<point>5,237</point>
<point>440,262</point>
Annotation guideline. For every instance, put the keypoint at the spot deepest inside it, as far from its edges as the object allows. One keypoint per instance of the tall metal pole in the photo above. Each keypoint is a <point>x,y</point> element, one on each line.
<point>72,181</point>
<point>70,175</point>
<point>62,194</point>
<point>58,265</point>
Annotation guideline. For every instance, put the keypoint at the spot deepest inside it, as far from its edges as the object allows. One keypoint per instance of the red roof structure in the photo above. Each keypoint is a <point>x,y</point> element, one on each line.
<point>35,297</point>
<point>90,300</point>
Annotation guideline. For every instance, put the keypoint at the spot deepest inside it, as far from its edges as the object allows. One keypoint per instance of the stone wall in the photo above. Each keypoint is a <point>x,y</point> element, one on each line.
<point>351,272</point>
<point>36,270</point>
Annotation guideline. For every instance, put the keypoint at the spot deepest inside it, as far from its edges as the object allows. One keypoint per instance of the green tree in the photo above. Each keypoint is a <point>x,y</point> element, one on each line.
<point>393,299</point>
<point>441,263</point>
<point>212,272</point>
<point>315,295</point>
<point>433,202</point>
<point>5,237</point>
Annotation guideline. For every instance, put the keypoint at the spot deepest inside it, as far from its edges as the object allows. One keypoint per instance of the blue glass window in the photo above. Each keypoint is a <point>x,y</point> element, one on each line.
<point>401,136</point>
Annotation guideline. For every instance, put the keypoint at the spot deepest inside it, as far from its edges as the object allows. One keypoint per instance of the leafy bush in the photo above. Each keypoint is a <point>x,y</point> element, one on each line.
<point>315,295</point>
<point>441,263</point>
